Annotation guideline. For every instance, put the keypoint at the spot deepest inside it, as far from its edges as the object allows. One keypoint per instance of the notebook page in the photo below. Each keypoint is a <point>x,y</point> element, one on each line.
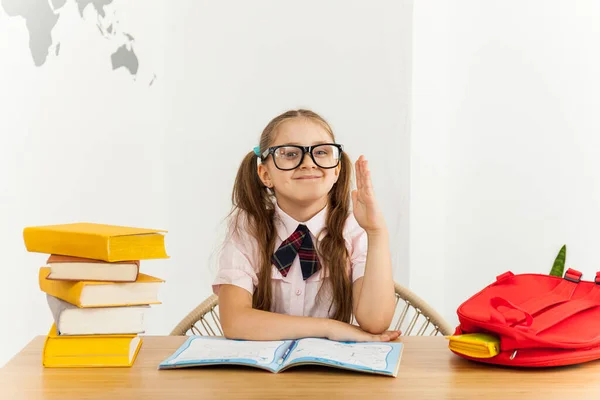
<point>367,355</point>
<point>210,350</point>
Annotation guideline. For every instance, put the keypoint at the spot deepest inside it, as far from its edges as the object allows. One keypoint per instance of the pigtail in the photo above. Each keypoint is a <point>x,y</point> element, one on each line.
<point>254,203</point>
<point>333,246</point>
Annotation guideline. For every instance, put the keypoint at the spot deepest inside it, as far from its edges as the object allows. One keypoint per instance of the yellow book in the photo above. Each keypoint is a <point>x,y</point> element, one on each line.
<point>477,345</point>
<point>90,351</point>
<point>96,241</point>
<point>102,294</point>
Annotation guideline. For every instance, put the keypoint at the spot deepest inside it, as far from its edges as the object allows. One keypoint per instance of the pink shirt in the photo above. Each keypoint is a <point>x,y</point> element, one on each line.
<point>291,294</point>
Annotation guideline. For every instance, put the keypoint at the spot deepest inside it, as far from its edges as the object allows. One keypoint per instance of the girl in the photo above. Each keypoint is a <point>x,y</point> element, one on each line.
<point>296,262</point>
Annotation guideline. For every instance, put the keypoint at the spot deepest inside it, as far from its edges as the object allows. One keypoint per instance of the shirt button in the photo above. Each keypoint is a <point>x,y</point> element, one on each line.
<point>298,292</point>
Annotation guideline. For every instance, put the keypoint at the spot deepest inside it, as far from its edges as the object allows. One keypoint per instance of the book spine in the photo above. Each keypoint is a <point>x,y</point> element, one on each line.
<point>137,273</point>
<point>68,291</point>
<point>57,306</point>
<point>45,349</point>
<point>74,244</point>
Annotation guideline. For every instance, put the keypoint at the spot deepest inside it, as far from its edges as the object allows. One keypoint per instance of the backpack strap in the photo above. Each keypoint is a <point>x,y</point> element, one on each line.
<point>561,293</point>
<point>498,317</point>
<point>566,310</point>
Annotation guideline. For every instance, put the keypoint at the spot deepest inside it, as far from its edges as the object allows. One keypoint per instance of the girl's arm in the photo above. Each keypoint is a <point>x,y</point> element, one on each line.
<point>240,321</point>
<point>373,295</point>
<point>373,298</point>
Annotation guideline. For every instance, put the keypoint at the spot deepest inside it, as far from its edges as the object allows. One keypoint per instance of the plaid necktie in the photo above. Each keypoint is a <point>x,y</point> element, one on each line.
<point>299,243</point>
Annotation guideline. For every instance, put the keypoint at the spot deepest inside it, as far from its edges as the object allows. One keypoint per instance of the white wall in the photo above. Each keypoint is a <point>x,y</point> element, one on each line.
<point>81,142</point>
<point>505,142</point>
<point>78,142</point>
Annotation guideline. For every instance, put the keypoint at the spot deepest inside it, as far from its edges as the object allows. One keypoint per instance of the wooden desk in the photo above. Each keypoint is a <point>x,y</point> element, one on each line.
<point>428,371</point>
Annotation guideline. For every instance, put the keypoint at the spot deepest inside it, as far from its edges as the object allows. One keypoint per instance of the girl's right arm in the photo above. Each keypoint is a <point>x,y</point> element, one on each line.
<point>240,321</point>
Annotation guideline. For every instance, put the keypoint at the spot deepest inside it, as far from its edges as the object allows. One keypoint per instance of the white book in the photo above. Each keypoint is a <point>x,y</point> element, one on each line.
<point>276,356</point>
<point>85,269</point>
<point>72,320</point>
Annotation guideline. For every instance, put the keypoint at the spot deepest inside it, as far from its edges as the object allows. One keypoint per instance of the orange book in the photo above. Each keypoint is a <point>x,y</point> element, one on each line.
<point>96,241</point>
<point>102,294</point>
<point>90,350</point>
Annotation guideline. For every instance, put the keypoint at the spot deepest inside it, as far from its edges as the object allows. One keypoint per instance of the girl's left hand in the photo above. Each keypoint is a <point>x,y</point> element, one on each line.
<point>365,208</point>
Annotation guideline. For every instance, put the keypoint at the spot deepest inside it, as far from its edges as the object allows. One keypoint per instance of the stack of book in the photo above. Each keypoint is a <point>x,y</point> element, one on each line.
<point>95,290</point>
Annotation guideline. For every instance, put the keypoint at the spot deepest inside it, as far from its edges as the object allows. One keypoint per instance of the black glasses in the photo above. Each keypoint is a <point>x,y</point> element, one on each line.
<point>288,157</point>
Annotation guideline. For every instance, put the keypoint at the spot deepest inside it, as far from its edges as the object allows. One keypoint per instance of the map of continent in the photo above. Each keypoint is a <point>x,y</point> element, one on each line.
<point>41,16</point>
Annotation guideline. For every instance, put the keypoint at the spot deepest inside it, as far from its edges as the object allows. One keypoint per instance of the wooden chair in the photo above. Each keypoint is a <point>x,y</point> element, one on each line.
<point>413,316</point>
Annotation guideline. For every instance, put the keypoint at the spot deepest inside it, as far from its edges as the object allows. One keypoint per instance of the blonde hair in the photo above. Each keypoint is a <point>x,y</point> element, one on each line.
<point>253,202</point>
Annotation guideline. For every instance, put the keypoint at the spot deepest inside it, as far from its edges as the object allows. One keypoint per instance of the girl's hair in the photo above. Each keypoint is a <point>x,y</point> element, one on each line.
<point>253,202</point>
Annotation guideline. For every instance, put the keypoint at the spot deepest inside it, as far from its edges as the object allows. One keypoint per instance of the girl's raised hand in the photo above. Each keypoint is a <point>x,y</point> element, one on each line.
<point>365,208</point>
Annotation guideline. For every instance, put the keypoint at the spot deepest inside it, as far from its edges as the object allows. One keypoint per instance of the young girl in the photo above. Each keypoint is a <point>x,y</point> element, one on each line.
<point>297,262</point>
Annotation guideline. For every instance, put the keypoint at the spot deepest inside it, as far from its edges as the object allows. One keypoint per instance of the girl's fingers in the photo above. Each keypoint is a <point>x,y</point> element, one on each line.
<point>361,170</point>
<point>359,180</point>
<point>363,175</point>
<point>389,336</point>
<point>367,183</point>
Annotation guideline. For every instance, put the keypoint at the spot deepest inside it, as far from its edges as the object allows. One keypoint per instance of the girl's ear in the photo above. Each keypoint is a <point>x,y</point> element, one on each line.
<point>337,171</point>
<point>263,175</point>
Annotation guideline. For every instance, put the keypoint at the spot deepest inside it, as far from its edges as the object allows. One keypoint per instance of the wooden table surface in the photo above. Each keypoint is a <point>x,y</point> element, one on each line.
<point>428,370</point>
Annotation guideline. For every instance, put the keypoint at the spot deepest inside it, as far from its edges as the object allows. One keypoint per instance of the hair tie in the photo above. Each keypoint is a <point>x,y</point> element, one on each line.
<point>257,151</point>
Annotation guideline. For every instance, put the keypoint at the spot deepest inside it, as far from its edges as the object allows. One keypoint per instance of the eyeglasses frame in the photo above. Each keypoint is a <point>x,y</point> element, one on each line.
<point>304,149</point>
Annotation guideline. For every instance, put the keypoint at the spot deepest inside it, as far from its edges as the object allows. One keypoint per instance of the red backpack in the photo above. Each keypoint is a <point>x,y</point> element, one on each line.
<point>541,320</point>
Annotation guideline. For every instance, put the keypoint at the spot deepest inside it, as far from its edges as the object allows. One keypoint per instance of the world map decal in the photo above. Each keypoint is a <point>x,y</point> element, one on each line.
<point>41,17</point>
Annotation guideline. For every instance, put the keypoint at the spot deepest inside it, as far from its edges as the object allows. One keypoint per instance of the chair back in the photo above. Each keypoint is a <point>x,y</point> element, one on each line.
<point>412,316</point>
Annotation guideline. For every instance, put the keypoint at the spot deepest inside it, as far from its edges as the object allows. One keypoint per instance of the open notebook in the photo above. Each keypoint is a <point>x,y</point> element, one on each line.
<point>276,356</point>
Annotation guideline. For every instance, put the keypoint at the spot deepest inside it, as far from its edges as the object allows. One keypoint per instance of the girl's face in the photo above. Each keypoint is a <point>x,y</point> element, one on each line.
<point>308,183</point>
